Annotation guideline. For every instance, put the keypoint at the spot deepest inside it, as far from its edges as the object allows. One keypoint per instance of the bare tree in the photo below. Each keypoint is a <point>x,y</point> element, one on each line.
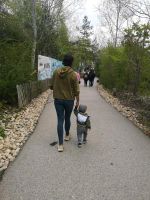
<point>34,28</point>
<point>140,8</point>
<point>115,13</point>
<point>71,7</point>
<point>72,10</point>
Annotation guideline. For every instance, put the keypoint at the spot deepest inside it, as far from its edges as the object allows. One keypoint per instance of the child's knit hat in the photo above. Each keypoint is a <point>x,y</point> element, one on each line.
<point>82,108</point>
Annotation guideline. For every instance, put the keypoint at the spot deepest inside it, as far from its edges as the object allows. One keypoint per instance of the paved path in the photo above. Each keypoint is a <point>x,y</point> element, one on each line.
<point>114,165</point>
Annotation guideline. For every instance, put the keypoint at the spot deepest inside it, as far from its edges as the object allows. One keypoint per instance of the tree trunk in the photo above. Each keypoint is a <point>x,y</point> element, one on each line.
<point>137,78</point>
<point>117,23</point>
<point>34,28</point>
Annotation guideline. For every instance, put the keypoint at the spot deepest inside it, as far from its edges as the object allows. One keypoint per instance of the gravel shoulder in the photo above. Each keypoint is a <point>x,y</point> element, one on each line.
<point>18,127</point>
<point>128,112</point>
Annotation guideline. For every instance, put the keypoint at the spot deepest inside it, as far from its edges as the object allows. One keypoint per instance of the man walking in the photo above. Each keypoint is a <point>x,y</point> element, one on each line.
<point>65,88</point>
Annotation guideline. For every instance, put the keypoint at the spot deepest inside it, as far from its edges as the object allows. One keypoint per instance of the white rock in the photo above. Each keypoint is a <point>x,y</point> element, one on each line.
<point>8,151</point>
<point>3,168</point>
<point>1,146</point>
<point>19,127</point>
<point>1,138</point>
<point>128,112</point>
<point>1,164</point>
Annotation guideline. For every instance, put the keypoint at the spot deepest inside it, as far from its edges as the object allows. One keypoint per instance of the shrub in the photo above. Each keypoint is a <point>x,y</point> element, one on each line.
<point>2,132</point>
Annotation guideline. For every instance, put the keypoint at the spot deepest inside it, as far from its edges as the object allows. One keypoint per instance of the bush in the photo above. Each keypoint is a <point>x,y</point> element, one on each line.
<point>2,132</point>
<point>117,71</point>
<point>15,58</point>
<point>112,69</point>
<point>15,69</point>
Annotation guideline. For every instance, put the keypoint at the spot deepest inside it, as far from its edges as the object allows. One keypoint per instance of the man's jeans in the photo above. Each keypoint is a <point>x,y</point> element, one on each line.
<point>63,109</point>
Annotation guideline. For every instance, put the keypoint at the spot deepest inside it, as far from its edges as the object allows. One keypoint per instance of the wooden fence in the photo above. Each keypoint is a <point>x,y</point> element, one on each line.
<point>28,91</point>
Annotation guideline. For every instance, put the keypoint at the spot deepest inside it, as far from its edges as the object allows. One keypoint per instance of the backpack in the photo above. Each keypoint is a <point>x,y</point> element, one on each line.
<point>86,76</point>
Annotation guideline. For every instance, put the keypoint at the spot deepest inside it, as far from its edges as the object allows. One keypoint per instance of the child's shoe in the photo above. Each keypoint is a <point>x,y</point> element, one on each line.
<point>79,144</point>
<point>84,141</point>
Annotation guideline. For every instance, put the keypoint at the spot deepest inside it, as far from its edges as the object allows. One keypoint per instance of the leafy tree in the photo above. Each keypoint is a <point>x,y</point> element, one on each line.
<point>136,43</point>
<point>84,42</point>
<point>15,56</point>
<point>127,67</point>
<point>86,28</point>
<point>17,39</point>
<point>113,68</point>
<point>63,43</point>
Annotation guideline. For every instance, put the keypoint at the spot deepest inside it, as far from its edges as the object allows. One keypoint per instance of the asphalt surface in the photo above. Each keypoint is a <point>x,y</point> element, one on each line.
<point>113,165</point>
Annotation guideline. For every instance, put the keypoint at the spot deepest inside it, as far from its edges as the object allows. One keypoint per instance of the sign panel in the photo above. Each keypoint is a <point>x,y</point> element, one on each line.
<point>47,66</point>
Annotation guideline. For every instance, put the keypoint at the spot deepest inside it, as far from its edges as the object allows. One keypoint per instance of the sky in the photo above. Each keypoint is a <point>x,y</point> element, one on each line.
<point>101,32</point>
<point>88,7</point>
<point>100,28</point>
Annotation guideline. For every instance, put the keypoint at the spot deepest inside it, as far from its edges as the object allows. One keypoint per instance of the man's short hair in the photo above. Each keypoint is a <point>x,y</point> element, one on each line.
<point>68,60</point>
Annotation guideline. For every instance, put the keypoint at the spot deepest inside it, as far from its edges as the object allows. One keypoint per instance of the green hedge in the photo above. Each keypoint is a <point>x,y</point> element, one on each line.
<point>116,71</point>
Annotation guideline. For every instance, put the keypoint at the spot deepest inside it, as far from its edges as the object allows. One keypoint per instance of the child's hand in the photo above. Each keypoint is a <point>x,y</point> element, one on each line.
<point>76,108</point>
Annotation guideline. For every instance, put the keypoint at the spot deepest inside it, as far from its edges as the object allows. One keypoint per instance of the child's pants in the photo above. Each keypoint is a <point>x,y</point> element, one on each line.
<point>81,133</point>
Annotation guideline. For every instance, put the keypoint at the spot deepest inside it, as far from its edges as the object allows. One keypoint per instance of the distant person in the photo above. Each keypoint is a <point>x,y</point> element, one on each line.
<point>65,88</point>
<point>91,77</point>
<point>85,78</point>
<point>78,77</point>
<point>83,124</point>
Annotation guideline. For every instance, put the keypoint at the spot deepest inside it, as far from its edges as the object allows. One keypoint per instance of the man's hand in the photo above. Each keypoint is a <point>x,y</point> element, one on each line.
<point>77,104</point>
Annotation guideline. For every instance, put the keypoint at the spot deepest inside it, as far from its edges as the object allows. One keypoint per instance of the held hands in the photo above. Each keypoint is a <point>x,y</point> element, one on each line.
<point>75,108</point>
<point>77,105</point>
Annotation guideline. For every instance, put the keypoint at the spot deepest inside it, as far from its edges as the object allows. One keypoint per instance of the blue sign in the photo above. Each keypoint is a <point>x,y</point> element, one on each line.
<point>47,66</point>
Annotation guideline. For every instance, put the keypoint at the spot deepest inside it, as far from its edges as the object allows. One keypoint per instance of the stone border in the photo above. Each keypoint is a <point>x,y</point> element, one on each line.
<point>20,126</point>
<point>128,112</point>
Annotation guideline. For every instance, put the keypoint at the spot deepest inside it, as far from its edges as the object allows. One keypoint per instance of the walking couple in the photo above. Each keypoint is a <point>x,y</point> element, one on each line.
<point>66,90</point>
<point>89,75</point>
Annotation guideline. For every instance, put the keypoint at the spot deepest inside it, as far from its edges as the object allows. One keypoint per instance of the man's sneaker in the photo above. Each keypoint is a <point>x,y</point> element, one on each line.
<point>84,141</point>
<point>67,137</point>
<point>79,145</point>
<point>60,148</point>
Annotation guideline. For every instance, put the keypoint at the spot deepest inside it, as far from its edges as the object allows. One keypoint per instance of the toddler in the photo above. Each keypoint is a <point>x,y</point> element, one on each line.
<point>83,124</point>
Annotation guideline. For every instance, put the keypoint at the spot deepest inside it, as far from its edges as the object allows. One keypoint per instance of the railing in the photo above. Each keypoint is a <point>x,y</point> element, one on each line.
<point>28,91</point>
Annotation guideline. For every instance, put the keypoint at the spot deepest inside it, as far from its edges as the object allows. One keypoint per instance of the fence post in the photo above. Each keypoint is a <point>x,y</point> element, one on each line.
<point>19,96</point>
